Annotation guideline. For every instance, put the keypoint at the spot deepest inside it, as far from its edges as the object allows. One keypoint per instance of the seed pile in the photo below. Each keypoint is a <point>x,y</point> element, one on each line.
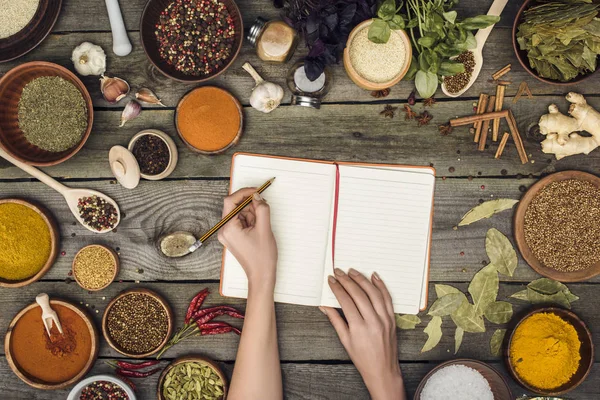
<point>97,213</point>
<point>561,225</point>
<point>377,62</point>
<point>15,15</point>
<point>196,37</point>
<point>192,380</point>
<point>137,323</point>
<point>94,267</point>
<point>52,113</point>
<point>456,83</point>
<point>152,154</point>
<point>101,390</point>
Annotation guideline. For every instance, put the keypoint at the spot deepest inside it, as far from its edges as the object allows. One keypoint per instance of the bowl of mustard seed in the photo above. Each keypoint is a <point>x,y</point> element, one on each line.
<point>95,267</point>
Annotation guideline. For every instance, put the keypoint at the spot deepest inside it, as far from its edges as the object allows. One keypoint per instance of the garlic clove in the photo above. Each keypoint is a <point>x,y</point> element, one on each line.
<point>147,96</point>
<point>113,89</point>
<point>131,111</point>
<point>89,59</point>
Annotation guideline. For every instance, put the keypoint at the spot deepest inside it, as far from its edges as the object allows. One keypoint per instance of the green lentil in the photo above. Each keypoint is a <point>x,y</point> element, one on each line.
<point>94,267</point>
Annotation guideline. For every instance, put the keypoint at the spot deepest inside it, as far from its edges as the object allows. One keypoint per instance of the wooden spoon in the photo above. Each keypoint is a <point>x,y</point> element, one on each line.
<point>481,36</point>
<point>71,196</point>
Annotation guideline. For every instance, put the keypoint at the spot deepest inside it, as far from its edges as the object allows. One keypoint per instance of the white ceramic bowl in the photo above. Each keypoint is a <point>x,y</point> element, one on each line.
<point>76,391</point>
<point>173,155</point>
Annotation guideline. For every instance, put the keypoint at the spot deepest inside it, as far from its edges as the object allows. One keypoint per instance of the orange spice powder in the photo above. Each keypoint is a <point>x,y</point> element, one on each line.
<point>208,118</point>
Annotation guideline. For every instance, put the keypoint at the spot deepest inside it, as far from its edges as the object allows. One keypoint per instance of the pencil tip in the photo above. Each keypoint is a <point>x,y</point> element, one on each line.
<point>272,179</point>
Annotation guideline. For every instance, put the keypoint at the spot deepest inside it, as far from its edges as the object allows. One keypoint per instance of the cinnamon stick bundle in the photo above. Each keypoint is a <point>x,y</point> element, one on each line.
<point>486,125</point>
<point>471,119</point>
<point>501,72</point>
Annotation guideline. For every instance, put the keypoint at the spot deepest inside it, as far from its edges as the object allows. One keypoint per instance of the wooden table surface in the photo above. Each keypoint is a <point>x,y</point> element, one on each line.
<point>348,127</point>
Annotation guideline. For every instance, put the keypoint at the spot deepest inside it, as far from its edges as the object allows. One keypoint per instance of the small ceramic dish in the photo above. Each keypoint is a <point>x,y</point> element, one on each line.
<point>173,155</point>
<point>116,265</point>
<point>146,292</point>
<point>586,351</point>
<point>198,359</point>
<point>76,391</point>
<point>54,242</point>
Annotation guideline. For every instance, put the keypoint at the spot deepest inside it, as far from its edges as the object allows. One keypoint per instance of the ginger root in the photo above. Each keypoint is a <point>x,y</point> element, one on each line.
<point>560,129</point>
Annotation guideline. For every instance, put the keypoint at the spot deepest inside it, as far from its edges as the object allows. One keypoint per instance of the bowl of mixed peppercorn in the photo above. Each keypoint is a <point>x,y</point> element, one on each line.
<point>191,40</point>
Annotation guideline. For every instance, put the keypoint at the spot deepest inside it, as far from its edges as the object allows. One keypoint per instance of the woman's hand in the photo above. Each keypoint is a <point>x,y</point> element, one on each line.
<point>369,336</point>
<point>249,237</point>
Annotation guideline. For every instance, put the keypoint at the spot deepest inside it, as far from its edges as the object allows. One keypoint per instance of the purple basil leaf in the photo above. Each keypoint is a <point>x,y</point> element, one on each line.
<point>317,49</point>
<point>331,21</point>
<point>313,68</point>
<point>347,15</point>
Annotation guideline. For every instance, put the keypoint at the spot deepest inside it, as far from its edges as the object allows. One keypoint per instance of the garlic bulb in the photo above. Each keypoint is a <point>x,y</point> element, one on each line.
<point>89,59</point>
<point>266,96</point>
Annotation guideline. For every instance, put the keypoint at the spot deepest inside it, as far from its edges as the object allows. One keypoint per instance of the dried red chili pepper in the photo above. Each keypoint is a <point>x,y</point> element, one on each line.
<point>134,366</point>
<point>195,304</point>
<point>210,325</point>
<point>136,374</point>
<point>127,381</point>
<point>209,310</point>
<point>212,315</point>
<point>217,331</point>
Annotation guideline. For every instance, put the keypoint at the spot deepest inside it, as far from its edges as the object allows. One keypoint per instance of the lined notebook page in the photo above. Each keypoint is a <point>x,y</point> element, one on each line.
<point>383,225</point>
<point>300,200</point>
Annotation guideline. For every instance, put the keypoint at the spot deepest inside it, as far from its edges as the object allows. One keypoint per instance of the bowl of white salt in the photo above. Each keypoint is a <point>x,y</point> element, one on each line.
<point>465,380</point>
<point>376,66</point>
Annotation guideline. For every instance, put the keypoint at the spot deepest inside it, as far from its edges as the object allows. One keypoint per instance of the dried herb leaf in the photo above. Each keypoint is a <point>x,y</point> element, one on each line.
<point>486,210</point>
<point>499,312</point>
<point>546,286</point>
<point>484,288</point>
<point>468,318</point>
<point>520,295</point>
<point>501,252</point>
<point>447,304</point>
<point>434,331</point>
<point>442,290</point>
<point>570,296</point>
<point>458,337</point>
<point>538,298</point>
<point>496,342</point>
<point>407,321</point>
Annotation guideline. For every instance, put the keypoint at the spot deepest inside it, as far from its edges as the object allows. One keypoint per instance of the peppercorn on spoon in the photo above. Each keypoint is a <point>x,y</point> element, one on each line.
<point>71,195</point>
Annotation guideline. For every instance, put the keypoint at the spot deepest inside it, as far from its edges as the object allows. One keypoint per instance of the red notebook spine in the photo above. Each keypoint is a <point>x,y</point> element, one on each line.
<point>336,199</point>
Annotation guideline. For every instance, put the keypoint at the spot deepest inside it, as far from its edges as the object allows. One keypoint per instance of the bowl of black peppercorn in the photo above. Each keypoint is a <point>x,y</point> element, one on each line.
<point>191,44</point>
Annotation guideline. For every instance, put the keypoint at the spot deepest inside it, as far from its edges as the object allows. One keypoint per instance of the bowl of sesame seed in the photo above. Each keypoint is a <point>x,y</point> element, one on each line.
<point>95,267</point>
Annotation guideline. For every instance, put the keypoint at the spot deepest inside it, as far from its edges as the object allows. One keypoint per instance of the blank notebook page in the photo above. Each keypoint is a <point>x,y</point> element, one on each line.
<point>383,225</point>
<point>300,200</point>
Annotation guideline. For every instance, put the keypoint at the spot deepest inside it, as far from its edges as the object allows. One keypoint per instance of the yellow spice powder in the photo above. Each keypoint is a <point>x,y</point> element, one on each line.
<point>24,242</point>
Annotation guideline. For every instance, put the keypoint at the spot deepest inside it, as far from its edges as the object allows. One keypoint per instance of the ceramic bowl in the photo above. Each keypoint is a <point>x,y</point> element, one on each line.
<point>54,242</point>
<point>116,264</point>
<point>519,228</point>
<point>148,22</point>
<point>198,359</point>
<point>12,138</point>
<point>76,391</point>
<point>586,351</point>
<point>173,155</point>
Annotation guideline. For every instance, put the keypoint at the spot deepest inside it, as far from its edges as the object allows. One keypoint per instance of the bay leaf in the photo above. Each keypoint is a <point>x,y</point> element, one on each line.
<point>520,295</point>
<point>501,252</point>
<point>442,290</point>
<point>458,337</point>
<point>570,296</point>
<point>407,321</point>
<point>447,304</point>
<point>486,210</point>
<point>499,312</point>
<point>484,288</point>
<point>546,286</point>
<point>538,298</point>
<point>496,342</point>
<point>434,331</point>
<point>467,317</point>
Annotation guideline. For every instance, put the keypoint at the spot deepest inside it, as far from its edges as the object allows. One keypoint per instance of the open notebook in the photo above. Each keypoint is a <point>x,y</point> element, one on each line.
<point>383,223</point>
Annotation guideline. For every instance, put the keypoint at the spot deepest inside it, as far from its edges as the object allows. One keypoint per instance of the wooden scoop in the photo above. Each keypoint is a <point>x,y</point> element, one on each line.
<point>49,316</point>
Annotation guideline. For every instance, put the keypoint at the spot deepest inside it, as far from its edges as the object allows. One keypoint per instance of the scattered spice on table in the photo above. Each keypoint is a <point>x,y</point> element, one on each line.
<point>456,83</point>
<point>56,359</point>
<point>388,111</point>
<point>94,267</point>
<point>196,37</point>
<point>137,323</point>
<point>544,351</point>
<point>424,118</point>
<point>457,382</point>
<point>409,113</point>
<point>101,390</point>
<point>16,15</point>
<point>561,225</point>
<point>152,154</point>
<point>380,93</point>
<point>445,129</point>
<point>52,113</point>
<point>207,383</point>
<point>25,242</point>
<point>429,102</point>
<point>97,213</point>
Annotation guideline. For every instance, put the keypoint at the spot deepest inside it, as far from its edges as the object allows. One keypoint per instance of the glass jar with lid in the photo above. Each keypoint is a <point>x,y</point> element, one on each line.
<point>305,92</point>
<point>275,41</point>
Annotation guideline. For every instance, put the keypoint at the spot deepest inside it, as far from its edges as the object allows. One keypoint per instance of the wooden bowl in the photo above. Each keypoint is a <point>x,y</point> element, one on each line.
<point>155,296</point>
<point>497,382</point>
<point>235,140</point>
<point>36,383</point>
<point>173,154</point>
<point>54,242</point>
<point>586,352</point>
<point>198,359</point>
<point>12,138</point>
<point>364,83</point>
<point>524,60</point>
<point>148,22</point>
<point>519,229</point>
<point>116,264</point>
<point>33,34</point>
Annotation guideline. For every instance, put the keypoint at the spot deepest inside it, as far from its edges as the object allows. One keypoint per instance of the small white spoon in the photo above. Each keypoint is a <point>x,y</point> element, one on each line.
<point>71,196</point>
<point>481,36</point>
<point>121,43</point>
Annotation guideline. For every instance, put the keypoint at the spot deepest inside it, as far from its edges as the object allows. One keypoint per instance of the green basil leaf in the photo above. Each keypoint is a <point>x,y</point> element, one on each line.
<point>412,70</point>
<point>426,41</point>
<point>479,22</point>
<point>450,16</point>
<point>451,68</point>
<point>387,10</point>
<point>426,83</point>
<point>379,31</point>
<point>413,23</point>
<point>397,22</point>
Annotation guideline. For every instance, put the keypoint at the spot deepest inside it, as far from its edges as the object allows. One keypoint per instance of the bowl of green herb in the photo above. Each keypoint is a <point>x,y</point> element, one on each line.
<point>558,42</point>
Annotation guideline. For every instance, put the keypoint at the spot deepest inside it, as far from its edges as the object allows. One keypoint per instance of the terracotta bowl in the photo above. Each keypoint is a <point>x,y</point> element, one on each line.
<point>498,384</point>
<point>519,229</point>
<point>147,292</point>
<point>33,34</point>
<point>198,359</point>
<point>116,264</point>
<point>524,60</point>
<point>148,22</point>
<point>12,138</point>
<point>586,351</point>
<point>54,242</point>
<point>36,383</point>
<point>364,83</point>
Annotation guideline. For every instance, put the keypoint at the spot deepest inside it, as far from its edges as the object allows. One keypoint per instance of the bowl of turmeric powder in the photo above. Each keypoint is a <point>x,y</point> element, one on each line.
<point>550,351</point>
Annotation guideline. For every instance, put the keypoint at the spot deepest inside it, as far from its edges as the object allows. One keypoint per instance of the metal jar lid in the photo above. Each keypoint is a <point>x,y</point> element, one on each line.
<point>306,101</point>
<point>256,30</point>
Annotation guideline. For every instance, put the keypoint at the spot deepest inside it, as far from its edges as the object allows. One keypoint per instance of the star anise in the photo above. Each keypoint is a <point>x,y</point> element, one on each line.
<point>388,111</point>
<point>412,98</point>
<point>409,113</point>
<point>445,129</point>
<point>380,93</point>
<point>429,102</point>
<point>424,118</point>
